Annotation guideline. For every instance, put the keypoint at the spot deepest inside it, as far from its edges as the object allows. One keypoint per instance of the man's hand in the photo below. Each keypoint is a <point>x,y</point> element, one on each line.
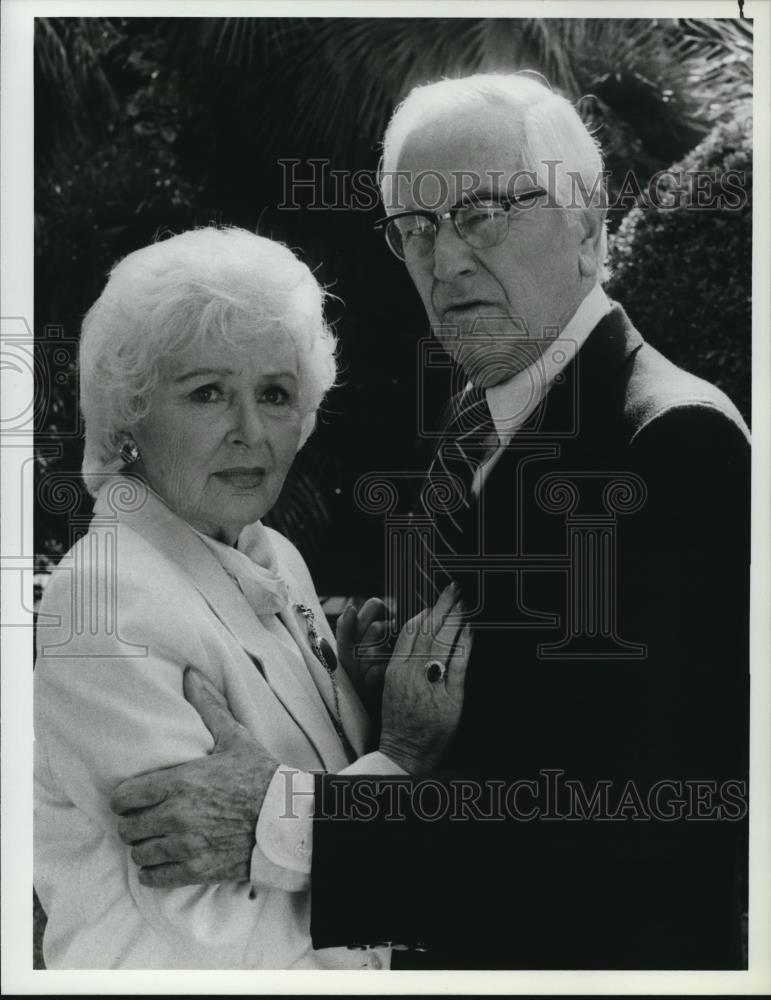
<point>195,822</point>
<point>364,644</point>
<point>420,716</point>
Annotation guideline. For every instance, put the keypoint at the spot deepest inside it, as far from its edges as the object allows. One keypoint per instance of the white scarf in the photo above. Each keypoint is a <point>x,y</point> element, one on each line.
<point>254,567</point>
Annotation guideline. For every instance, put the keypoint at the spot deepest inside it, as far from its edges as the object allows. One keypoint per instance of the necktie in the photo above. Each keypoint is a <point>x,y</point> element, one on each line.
<point>468,441</point>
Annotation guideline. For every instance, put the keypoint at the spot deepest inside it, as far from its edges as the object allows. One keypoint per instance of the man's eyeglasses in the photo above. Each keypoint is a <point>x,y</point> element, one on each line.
<point>482,223</point>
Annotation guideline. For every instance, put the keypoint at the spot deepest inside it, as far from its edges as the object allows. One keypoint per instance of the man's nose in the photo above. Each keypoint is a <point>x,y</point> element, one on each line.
<point>453,257</point>
<point>248,426</point>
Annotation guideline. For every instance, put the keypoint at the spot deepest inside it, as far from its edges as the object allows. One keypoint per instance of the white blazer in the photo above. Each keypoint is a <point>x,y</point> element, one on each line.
<point>138,598</point>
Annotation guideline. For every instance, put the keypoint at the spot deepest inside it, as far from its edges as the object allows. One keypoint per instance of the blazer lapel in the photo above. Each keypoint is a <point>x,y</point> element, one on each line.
<point>574,414</point>
<point>600,363</point>
<point>354,719</point>
<point>574,404</point>
<point>290,681</point>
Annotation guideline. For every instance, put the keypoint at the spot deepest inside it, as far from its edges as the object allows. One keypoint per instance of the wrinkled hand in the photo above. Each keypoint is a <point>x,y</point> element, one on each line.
<point>364,643</point>
<point>420,717</point>
<point>195,823</point>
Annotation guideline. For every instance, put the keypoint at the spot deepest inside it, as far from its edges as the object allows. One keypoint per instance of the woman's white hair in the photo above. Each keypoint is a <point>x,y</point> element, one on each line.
<point>557,148</point>
<point>212,283</point>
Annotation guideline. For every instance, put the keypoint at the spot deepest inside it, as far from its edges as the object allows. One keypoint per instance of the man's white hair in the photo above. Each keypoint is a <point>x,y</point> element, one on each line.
<point>557,149</point>
<point>212,284</point>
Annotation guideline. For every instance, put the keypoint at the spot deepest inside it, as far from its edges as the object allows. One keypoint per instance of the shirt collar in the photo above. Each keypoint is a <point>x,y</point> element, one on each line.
<point>512,402</point>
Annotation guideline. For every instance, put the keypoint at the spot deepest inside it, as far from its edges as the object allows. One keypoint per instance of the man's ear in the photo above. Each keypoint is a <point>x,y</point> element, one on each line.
<point>592,225</point>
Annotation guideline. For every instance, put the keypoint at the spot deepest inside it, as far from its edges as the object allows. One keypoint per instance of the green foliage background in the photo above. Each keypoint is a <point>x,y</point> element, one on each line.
<point>147,125</point>
<point>699,264</point>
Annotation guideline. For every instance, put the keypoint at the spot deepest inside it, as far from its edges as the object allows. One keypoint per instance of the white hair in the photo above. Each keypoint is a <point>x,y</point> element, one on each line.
<point>557,149</point>
<point>224,283</point>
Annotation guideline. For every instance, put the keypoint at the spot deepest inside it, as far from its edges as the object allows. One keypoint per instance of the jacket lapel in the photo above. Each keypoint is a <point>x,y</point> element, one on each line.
<point>355,720</point>
<point>290,681</point>
<point>575,404</point>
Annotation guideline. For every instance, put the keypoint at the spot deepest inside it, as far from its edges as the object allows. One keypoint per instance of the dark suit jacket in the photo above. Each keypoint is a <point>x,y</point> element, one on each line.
<point>658,693</point>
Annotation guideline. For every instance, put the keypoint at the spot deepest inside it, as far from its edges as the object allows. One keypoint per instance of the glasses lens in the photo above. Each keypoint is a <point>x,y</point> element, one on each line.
<point>411,237</point>
<point>483,225</point>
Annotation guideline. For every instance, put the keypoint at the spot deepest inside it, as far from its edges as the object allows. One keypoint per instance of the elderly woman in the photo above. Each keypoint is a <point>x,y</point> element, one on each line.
<point>204,362</point>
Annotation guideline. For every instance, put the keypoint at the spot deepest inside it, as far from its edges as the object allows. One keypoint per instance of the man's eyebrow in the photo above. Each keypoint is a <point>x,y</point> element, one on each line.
<point>469,197</point>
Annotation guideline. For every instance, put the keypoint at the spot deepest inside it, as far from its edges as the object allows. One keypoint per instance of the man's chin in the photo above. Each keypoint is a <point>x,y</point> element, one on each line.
<point>479,324</point>
<point>488,365</point>
<point>492,361</point>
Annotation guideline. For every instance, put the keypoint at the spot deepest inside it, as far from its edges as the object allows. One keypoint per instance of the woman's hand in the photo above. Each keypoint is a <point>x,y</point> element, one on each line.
<point>421,709</point>
<point>364,643</point>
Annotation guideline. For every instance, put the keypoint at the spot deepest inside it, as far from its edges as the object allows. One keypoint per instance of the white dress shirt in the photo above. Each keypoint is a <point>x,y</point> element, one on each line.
<point>513,401</point>
<point>285,835</point>
<point>285,823</point>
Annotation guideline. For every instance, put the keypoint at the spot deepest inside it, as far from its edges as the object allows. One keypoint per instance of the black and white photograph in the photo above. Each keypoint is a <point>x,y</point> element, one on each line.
<point>385,497</point>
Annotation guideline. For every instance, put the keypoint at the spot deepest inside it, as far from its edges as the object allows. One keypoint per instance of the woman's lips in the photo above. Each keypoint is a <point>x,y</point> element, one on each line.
<point>246,479</point>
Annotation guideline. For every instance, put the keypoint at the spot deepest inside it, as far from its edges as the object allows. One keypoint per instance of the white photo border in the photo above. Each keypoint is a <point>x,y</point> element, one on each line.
<point>16,312</point>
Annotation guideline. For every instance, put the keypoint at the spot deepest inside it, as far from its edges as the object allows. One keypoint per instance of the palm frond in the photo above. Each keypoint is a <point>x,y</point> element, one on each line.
<point>301,513</point>
<point>69,55</point>
<point>343,76</point>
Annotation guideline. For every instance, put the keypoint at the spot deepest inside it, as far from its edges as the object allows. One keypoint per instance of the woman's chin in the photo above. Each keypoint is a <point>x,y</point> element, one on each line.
<point>245,513</point>
<point>229,520</point>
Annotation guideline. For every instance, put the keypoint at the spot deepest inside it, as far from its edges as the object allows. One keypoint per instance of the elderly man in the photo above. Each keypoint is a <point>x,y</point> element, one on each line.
<point>592,502</point>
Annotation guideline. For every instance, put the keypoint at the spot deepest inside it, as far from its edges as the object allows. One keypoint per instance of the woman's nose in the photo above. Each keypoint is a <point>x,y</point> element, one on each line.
<point>248,425</point>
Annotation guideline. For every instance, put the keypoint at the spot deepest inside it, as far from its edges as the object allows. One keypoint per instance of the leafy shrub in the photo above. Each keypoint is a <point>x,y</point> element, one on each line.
<point>684,273</point>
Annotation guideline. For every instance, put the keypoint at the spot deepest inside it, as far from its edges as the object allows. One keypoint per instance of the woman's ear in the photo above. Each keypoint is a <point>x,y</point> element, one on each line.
<point>592,223</point>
